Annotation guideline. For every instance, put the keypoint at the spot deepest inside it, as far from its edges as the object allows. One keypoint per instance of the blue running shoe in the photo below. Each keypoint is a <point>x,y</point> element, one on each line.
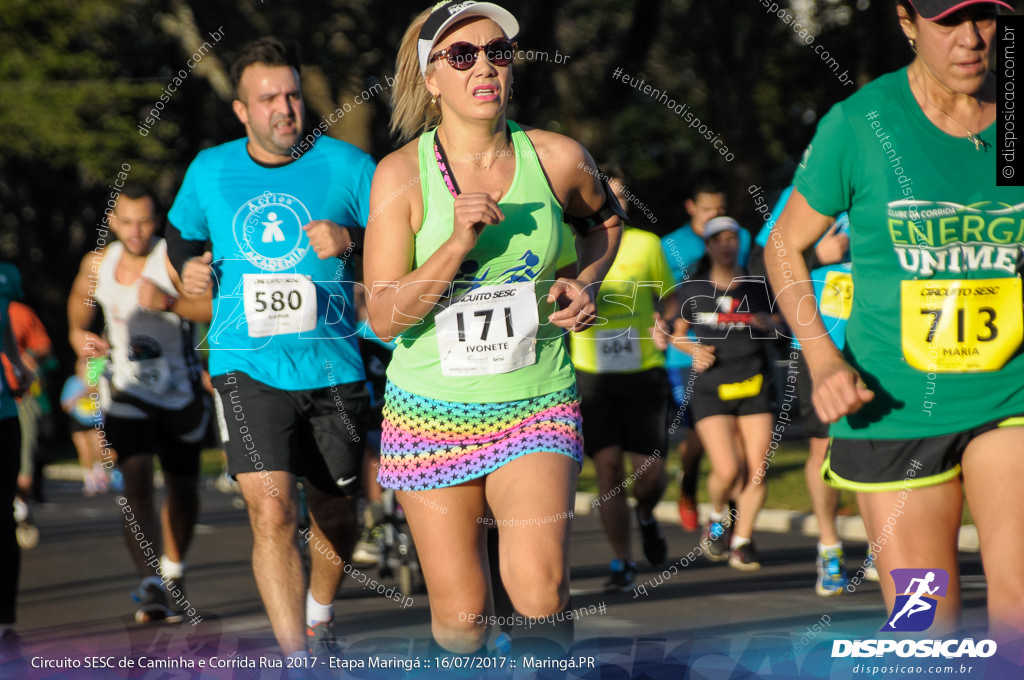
<point>831,572</point>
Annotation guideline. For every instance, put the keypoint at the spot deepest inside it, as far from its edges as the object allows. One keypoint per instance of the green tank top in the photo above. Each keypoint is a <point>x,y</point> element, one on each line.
<point>490,339</point>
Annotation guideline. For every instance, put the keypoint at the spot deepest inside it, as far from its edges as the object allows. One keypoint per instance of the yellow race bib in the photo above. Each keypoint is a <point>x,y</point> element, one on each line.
<point>961,326</point>
<point>837,295</point>
<point>750,387</point>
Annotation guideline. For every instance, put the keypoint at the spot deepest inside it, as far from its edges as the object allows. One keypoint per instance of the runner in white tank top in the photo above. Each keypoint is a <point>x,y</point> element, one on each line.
<point>152,352</point>
<point>150,394</point>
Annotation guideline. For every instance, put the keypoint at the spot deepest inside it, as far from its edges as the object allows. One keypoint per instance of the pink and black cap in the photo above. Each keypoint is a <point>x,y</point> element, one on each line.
<point>445,14</point>
<point>934,10</point>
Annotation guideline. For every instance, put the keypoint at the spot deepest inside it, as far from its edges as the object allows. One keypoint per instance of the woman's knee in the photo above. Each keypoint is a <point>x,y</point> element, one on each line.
<point>727,471</point>
<point>462,635</point>
<point>459,626</point>
<point>537,590</point>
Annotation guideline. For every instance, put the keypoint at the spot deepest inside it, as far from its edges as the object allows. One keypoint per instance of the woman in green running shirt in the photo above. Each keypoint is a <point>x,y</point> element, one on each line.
<point>927,393</point>
<point>481,412</point>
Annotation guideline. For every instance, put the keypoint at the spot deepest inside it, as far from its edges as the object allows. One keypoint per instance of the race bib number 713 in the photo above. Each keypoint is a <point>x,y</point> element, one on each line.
<point>961,325</point>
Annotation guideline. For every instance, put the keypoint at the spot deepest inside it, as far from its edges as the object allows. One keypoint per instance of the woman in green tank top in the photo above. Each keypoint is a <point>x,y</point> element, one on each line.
<point>481,415</point>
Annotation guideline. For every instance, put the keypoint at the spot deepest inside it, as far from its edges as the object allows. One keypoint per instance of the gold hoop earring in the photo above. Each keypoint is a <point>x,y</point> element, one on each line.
<point>913,45</point>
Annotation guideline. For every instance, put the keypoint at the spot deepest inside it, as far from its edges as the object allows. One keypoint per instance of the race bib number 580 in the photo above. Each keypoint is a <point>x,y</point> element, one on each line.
<point>957,326</point>
<point>276,304</point>
<point>489,330</point>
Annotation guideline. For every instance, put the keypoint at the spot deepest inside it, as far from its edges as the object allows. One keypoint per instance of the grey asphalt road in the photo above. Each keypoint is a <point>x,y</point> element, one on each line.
<point>74,602</point>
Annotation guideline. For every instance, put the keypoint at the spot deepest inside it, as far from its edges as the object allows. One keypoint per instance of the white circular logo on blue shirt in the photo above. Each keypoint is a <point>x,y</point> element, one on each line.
<point>268,231</point>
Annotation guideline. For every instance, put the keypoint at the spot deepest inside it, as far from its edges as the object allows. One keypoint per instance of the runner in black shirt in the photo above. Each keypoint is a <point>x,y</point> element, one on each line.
<point>730,313</point>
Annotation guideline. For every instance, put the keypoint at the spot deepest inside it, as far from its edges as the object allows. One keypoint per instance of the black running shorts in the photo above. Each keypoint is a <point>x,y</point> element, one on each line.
<point>319,434</point>
<point>713,398</point>
<point>894,464</point>
<point>174,435</point>
<point>624,409</point>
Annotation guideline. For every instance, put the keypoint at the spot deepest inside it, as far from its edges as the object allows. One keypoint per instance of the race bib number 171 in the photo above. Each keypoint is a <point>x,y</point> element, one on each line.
<point>489,330</point>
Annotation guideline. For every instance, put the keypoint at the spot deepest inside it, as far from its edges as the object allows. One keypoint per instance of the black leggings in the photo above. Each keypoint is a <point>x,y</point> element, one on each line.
<point>10,564</point>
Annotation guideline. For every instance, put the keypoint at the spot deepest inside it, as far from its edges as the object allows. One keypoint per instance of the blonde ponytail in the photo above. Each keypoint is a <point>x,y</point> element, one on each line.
<point>411,109</point>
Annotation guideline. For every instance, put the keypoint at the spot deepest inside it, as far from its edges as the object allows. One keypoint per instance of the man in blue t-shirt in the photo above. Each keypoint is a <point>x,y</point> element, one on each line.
<point>831,274</point>
<point>283,224</point>
<point>684,248</point>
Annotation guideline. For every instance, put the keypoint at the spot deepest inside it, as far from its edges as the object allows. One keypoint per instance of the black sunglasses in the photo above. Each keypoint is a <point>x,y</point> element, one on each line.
<point>462,55</point>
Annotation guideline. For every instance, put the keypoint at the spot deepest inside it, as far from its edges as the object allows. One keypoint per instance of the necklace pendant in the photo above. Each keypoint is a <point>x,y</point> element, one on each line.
<point>977,142</point>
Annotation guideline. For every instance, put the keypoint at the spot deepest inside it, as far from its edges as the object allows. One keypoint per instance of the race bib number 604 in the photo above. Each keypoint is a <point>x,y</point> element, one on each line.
<point>617,352</point>
<point>489,330</point>
<point>276,304</point>
<point>957,326</point>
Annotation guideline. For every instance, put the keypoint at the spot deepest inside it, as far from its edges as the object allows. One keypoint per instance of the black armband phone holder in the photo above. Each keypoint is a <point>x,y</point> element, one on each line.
<point>584,225</point>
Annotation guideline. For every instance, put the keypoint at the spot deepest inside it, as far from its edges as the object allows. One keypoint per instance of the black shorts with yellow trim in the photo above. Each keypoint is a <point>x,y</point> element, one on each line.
<point>746,397</point>
<point>872,465</point>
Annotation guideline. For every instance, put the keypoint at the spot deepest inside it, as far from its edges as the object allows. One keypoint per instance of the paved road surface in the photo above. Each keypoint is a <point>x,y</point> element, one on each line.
<point>704,622</point>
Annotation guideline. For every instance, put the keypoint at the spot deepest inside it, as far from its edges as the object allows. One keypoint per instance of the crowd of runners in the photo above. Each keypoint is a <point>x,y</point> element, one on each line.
<point>466,345</point>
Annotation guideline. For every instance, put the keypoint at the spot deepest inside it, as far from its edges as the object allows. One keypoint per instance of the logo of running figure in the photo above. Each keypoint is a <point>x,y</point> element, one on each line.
<point>914,610</point>
<point>272,229</point>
